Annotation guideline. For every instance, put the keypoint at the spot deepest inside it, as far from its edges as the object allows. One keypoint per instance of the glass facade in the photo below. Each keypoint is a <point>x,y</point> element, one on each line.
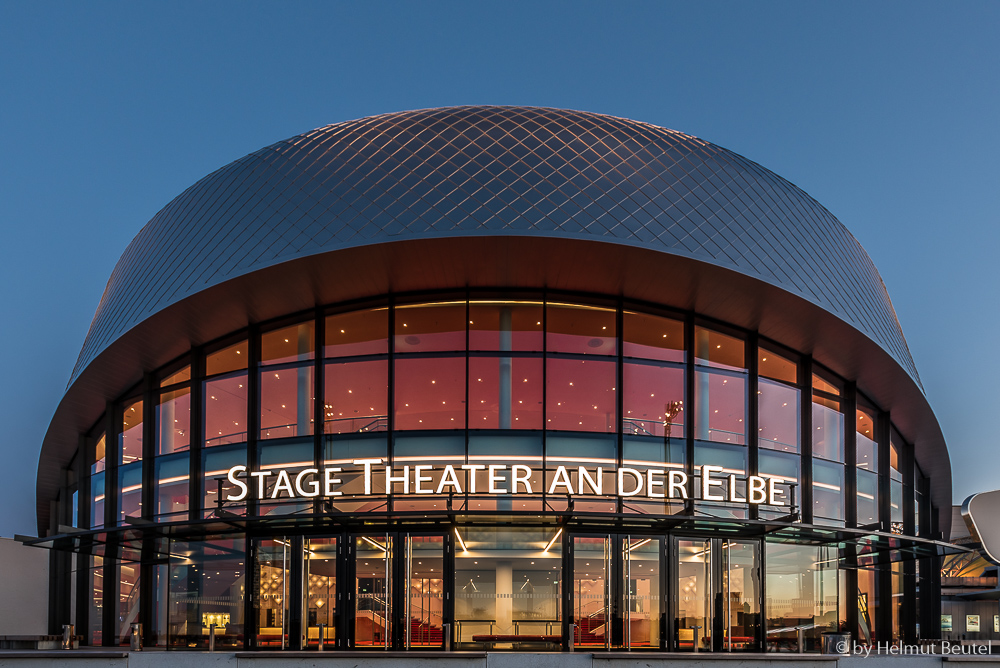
<point>541,409</point>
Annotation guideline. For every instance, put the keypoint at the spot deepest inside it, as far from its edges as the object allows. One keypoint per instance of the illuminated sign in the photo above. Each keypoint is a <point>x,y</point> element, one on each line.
<point>653,483</point>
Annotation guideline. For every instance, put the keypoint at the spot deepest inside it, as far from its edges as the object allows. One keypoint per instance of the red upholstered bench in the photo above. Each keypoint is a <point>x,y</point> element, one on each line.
<point>514,638</point>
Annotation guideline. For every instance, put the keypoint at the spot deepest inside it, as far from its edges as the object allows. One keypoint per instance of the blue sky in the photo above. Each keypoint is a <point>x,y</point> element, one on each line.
<point>885,112</point>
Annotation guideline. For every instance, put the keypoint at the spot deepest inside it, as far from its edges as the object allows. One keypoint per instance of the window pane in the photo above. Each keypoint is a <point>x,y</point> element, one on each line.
<point>286,402</point>
<point>225,402</point>
<point>867,498</point>
<point>581,395</point>
<point>828,490</point>
<point>129,491</point>
<point>130,439</point>
<point>173,421</point>
<point>177,377</point>
<point>215,466</point>
<point>653,337</point>
<point>827,384</point>
<point>207,586</point>
<point>506,576</point>
<point>772,365</point>
<point>713,348</point>
<point>172,489</point>
<point>895,455</point>
<point>99,455</point>
<point>289,344</point>
<point>228,359</point>
<point>720,404</point>
<point>505,326</point>
<point>828,429</point>
<point>428,327</point>
<point>802,594</point>
<point>356,397</point>
<point>784,467</point>
<point>653,400</point>
<point>587,330</point>
<point>97,500</point>
<point>733,460</point>
<point>357,333</point>
<point>867,447</point>
<point>505,393</point>
<point>430,393</point>
<point>292,456</point>
<point>778,412</point>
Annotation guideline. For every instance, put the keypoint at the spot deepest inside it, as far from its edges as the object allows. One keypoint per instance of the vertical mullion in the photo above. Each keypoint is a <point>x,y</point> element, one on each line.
<point>197,431</point>
<point>391,400</point>
<point>253,412</point>
<point>319,397</point>
<point>851,453</point>
<point>109,596</point>
<point>692,407</point>
<point>805,411</point>
<point>752,355</point>
<point>620,391</point>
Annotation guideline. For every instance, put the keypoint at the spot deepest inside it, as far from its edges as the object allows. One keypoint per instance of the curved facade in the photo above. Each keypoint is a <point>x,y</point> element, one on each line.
<point>501,378</point>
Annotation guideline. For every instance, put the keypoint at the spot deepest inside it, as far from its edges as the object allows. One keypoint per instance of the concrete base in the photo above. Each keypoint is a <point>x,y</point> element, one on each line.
<point>96,658</point>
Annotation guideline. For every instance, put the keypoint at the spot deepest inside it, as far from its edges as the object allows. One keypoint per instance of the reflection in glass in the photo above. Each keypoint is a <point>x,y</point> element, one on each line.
<point>694,595</point>
<point>215,467</point>
<point>866,439</point>
<point>802,592</point>
<point>641,559</point>
<point>741,595</point>
<point>128,600</point>
<point>868,604</point>
<point>867,498</point>
<point>272,566</point>
<point>95,601</point>
<point>828,491</point>
<point>129,491</point>
<point>97,500</point>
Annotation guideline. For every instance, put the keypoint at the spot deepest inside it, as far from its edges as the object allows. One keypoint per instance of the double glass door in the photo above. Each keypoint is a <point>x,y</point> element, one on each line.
<point>717,595</point>
<point>339,591</point>
<point>650,592</point>
<point>617,595</point>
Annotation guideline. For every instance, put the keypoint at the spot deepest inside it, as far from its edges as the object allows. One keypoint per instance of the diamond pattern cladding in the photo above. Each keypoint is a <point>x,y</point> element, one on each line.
<point>495,170</point>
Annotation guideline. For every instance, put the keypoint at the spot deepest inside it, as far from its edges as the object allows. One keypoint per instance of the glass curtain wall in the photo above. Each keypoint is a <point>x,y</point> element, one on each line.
<point>802,589</point>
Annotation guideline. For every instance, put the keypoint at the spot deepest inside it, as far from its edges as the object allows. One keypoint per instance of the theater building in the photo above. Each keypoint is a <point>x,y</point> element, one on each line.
<point>494,378</point>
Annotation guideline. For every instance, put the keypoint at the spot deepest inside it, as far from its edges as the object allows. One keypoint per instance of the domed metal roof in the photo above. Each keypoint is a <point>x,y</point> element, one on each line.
<point>495,171</point>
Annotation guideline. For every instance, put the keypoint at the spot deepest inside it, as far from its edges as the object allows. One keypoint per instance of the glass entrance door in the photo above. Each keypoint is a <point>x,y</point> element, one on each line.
<point>718,595</point>
<point>694,595</point>
<point>373,591</point>
<point>741,595</point>
<point>617,598</point>
<point>272,570</point>
<point>320,600</point>
<point>424,619</point>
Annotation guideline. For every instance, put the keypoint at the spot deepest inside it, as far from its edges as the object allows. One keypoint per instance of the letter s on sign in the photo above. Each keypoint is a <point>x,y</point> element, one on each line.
<point>233,472</point>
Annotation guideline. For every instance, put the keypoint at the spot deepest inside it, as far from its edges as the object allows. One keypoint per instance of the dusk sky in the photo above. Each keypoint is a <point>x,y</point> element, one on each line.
<point>887,113</point>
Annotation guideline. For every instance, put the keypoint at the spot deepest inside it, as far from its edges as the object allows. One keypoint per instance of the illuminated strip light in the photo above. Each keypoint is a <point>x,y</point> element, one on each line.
<point>585,460</point>
<point>826,485</point>
<point>131,488</point>
<point>642,462</point>
<point>377,545</point>
<point>553,541</point>
<point>179,478</point>
<point>639,544</point>
<point>460,541</point>
<point>490,458</point>
<point>289,465</point>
